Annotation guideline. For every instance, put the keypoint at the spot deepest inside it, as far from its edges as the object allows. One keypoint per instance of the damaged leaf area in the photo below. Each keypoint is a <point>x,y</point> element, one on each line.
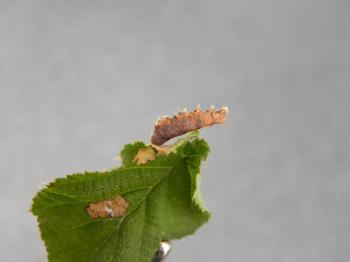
<point>144,155</point>
<point>149,153</point>
<point>122,214</point>
<point>115,207</point>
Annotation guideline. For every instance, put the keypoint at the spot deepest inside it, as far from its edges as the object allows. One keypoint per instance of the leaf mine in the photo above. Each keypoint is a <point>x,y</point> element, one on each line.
<point>115,207</point>
<point>144,155</point>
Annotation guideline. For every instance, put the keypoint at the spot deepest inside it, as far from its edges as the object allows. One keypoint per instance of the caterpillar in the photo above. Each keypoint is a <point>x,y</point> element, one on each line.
<point>184,121</point>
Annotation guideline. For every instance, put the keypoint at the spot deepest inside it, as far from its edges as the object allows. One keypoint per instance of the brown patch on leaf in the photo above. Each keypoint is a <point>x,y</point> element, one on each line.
<point>163,150</point>
<point>183,122</point>
<point>144,155</point>
<point>116,207</point>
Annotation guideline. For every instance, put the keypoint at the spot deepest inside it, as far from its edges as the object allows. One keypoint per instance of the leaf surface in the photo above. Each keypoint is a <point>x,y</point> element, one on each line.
<point>164,204</point>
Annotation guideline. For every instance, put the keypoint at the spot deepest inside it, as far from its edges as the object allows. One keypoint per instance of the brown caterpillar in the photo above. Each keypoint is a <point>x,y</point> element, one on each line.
<point>183,122</point>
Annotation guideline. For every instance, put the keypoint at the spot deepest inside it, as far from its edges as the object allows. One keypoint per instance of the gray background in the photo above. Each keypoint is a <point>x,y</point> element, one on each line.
<point>79,79</point>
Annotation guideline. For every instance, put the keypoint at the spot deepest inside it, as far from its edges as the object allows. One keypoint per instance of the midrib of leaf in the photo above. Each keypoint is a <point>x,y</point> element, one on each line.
<point>147,198</point>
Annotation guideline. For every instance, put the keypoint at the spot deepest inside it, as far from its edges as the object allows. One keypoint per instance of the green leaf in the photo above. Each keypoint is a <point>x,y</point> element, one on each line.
<point>164,204</point>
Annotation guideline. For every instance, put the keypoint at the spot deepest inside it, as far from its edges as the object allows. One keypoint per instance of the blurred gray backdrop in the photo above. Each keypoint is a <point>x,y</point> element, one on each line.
<point>79,79</point>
